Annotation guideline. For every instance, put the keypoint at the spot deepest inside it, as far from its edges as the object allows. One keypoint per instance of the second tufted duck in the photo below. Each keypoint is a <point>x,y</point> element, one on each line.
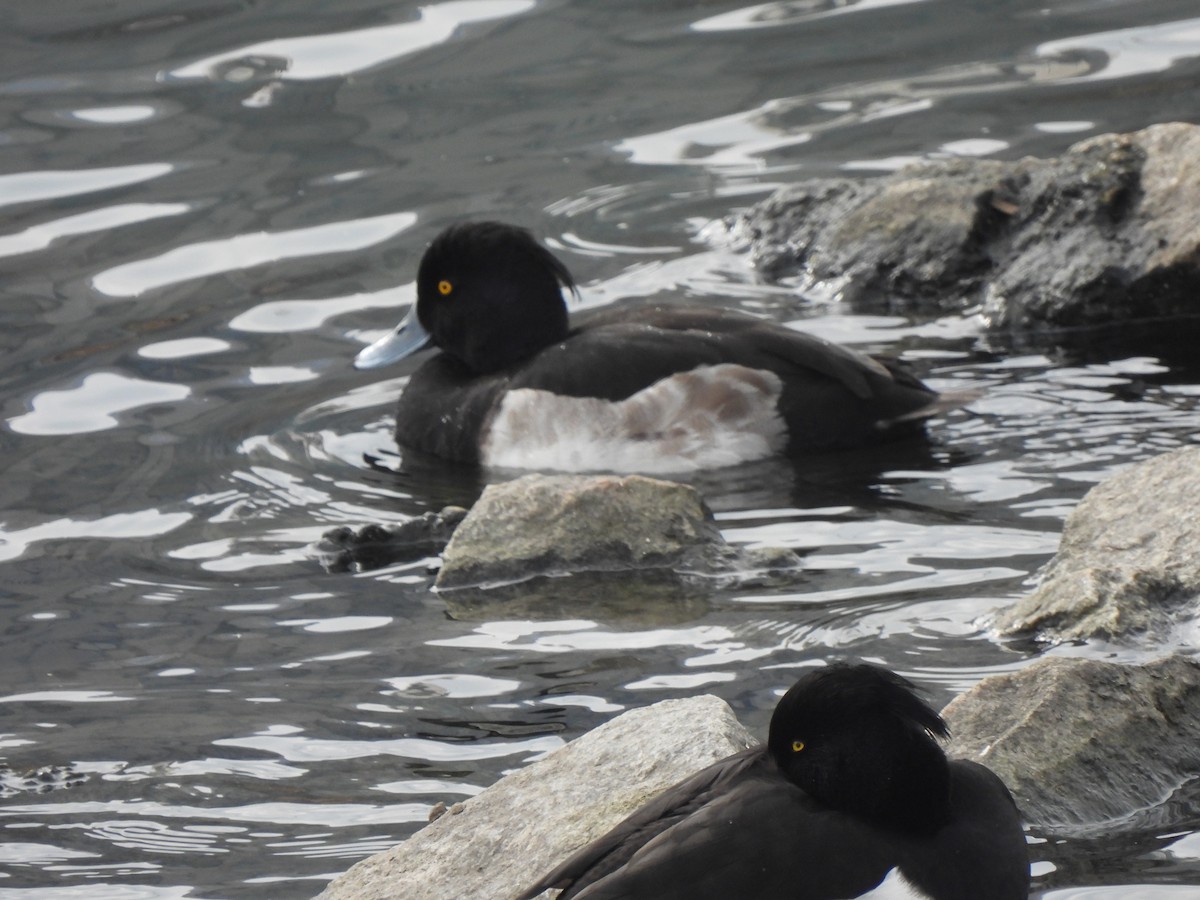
<point>851,796</point>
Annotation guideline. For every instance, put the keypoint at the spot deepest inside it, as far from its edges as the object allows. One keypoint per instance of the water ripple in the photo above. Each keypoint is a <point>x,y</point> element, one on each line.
<point>348,52</point>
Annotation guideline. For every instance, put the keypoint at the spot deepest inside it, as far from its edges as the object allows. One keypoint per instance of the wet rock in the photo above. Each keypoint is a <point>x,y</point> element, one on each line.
<point>913,240</point>
<point>1082,742</point>
<point>1107,235</point>
<point>1129,560</point>
<point>495,843</point>
<point>37,781</point>
<point>549,525</point>
<point>1095,240</point>
<point>375,546</point>
<point>647,598</point>
<point>641,598</point>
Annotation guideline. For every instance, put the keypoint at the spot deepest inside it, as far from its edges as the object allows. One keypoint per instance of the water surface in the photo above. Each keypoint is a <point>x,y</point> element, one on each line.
<point>206,209</point>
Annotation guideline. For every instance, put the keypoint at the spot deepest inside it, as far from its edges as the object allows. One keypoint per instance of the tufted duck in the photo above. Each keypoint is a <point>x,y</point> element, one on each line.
<point>654,389</point>
<point>852,796</point>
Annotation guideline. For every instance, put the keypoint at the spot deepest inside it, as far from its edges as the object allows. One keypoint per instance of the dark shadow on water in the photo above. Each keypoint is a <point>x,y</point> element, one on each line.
<point>1172,340</point>
<point>844,477</point>
<point>645,599</point>
<point>1135,851</point>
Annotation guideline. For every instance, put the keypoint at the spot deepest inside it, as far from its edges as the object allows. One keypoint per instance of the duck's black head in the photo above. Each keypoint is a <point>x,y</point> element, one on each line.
<point>857,738</point>
<point>490,295</point>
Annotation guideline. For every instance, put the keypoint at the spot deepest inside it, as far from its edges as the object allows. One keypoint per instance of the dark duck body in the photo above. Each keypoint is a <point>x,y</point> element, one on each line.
<point>661,388</point>
<point>852,796</point>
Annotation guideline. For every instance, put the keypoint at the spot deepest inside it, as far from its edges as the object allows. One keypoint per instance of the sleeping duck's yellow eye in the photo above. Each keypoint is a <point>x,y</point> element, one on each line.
<point>797,746</point>
<point>445,287</point>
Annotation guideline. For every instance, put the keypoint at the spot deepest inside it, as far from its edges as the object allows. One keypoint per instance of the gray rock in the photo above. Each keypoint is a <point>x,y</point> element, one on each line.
<point>1129,559</point>
<point>1099,237</point>
<point>547,525</point>
<point>501,840</point>
<point>1081,742</point>
<point>911,240</point>
<point>1107,235</point>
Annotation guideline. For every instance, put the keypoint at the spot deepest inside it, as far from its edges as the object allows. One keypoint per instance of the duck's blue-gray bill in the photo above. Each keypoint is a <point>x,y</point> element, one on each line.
<point>404,340</point>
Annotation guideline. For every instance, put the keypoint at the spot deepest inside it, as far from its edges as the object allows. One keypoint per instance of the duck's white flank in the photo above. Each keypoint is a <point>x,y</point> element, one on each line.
<point>894,887</point>
<point>711,416</point>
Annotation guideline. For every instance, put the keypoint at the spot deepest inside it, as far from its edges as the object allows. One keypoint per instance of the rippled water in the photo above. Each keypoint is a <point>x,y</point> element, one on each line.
<point>206,208</point>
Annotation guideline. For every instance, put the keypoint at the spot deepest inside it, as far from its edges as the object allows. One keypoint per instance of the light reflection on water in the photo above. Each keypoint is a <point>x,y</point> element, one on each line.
<point>246,250</point>
<point>206,214</point>
<point>340,54</point>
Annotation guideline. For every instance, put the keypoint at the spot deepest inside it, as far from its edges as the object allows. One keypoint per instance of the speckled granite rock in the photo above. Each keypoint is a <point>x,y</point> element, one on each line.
<point>1083,742</point>
<point>1104,237</point>
<point>1129,560</point>
<point>560,524</point>
<point>498,841</point>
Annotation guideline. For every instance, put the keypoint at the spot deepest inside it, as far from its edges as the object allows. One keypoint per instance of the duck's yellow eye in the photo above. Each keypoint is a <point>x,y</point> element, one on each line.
<point>797,746</point>
<point>445,287</point>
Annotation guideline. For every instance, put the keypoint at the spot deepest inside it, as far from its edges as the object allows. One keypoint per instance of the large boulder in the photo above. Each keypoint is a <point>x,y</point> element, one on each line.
<point>501,840</point>
<point>1129,559</point>
<point>1098,239</point>
<point>1083,743</point>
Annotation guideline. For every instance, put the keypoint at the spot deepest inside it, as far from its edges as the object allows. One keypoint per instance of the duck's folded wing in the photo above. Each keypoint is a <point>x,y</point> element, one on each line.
<point>763,839</point>
<point>744,833</point>
<point>613,359</point>
<point>733,336</point>
<point>613,850</point>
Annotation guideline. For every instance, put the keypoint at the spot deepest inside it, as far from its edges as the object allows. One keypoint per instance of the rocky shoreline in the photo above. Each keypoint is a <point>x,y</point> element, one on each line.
<point>1083,744</point>
<point>1054,250</point>
<point>1101,243</point>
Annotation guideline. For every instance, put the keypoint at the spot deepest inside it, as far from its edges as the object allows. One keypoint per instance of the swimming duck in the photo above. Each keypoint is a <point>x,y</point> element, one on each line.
<point>659,388</point>
<point>851,796</point>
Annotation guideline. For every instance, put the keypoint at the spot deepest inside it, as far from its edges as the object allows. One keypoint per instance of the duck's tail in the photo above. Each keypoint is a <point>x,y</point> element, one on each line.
<point>938,404</point>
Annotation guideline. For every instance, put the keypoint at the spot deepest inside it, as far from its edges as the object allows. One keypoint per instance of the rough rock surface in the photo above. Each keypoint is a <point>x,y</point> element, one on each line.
<point>559,524</point>
<point>1084,742</point>
<point>1129,559</point>
<point>500,840</point>
<point>1099,237</point>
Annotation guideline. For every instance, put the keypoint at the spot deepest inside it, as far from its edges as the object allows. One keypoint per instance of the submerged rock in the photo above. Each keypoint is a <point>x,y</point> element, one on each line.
<point>500,840</point>
<point>375,546</point>
<point>1129,559</point>
<point>551,525</point>
<point>647,598</point>
<point>1082,742</point>
<point>37,781</point>
<point>544,546</point>
<point>1099,238</point>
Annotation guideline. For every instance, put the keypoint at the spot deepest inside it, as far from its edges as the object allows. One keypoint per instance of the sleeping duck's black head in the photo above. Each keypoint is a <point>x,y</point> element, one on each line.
<point>487,273</point>
<point>858,739</point>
